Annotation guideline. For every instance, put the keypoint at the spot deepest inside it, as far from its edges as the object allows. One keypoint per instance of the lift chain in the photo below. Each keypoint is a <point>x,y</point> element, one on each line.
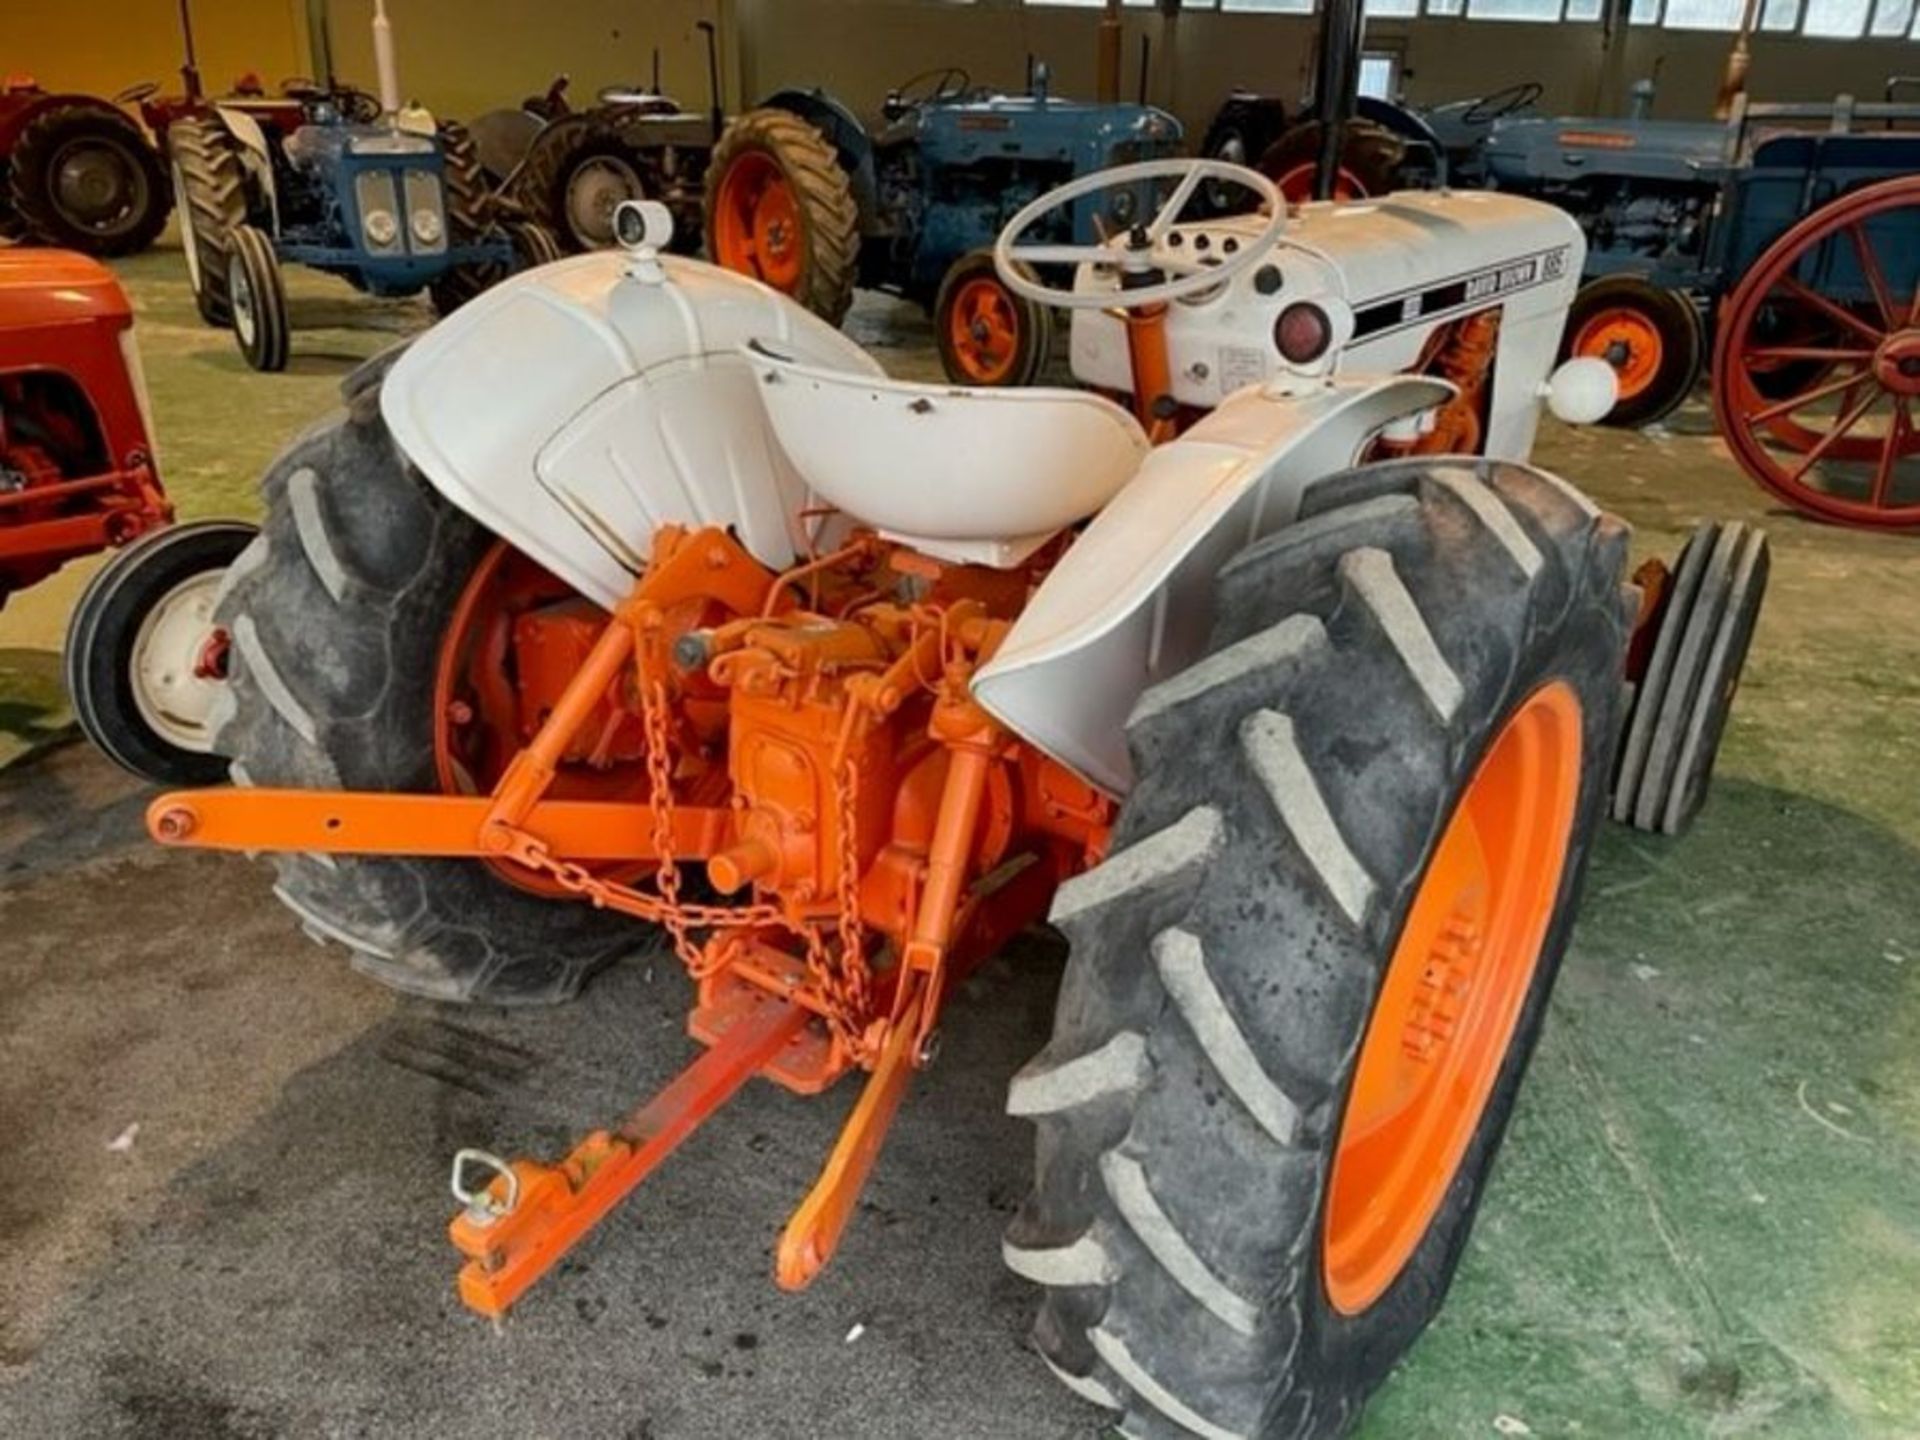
<point>843,983</point>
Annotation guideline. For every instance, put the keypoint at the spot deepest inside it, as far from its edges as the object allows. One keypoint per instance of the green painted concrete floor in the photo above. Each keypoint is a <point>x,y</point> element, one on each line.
<point>1706,1220</point>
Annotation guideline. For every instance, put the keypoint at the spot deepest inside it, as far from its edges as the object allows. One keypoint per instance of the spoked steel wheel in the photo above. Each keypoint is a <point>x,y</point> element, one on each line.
<point>1844,447</point>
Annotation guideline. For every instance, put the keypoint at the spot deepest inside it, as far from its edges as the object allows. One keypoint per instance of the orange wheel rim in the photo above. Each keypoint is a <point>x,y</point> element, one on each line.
<point>478,727</point>
<point>758,226</point>
<point>1451,997</point>
<point>1296,185</point>
<point>1627,340</point>
<point>983,328</point>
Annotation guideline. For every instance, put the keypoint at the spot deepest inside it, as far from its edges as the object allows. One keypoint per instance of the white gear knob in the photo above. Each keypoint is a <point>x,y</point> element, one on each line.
<point>1582,391</point>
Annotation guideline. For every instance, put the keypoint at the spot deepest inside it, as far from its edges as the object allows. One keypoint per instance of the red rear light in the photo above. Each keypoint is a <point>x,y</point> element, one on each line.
<point>1302,333</point>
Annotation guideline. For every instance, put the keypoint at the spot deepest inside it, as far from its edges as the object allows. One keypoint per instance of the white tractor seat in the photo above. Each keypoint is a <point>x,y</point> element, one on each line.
<point>973,476</point>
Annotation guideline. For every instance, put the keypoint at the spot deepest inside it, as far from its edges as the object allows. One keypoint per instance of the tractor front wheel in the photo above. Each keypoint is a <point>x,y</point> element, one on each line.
<point>1652,337</point>
<point>780,208</point>
<point>258,299</point>
<point>1306,982</point>
<point>339,616</point>
<point>987,334</point>
<point>85,177</point>
<point>145,663</point>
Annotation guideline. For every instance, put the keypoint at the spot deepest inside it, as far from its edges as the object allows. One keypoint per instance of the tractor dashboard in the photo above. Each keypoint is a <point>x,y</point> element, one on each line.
<point>1374,286</point>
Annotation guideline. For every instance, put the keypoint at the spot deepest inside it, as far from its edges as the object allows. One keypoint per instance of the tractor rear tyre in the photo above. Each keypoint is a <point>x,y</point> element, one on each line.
<point>987,334</point>
<point>85,177</point>
<point>258,298</point>
<point>1241,131</point>
<point>466,195</point>
<point>210,194</point>
<point>144,659</point>
<point>1652,337</point>
<point>575,176</point>
<point>1305,984</point>
<point>337,614</point>
<point>780,208</point>
<point>1370,160</point>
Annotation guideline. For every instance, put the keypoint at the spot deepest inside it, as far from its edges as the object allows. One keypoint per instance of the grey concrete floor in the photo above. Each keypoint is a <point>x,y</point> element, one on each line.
<point>1706,1221</point>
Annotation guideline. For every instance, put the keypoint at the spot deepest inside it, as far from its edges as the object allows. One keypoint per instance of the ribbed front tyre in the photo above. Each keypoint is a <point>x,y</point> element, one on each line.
<point>1305,984</point>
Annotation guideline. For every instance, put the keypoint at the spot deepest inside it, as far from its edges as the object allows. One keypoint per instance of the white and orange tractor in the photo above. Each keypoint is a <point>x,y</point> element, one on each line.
<point>632,605</point>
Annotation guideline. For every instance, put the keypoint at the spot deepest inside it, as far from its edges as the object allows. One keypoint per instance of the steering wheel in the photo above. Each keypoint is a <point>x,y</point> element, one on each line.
<point>134,94</point>
<point>357,107</point>
<point>948,80</point>
<point>1489,108</point>
<point>1143,249</point>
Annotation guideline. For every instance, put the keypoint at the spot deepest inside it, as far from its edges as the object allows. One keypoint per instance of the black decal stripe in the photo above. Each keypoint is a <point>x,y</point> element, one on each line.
<point>1479,287</point>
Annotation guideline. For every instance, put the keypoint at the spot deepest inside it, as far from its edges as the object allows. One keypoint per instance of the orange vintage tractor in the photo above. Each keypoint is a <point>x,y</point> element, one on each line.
<point>78,475</point>
<point>634,605</point>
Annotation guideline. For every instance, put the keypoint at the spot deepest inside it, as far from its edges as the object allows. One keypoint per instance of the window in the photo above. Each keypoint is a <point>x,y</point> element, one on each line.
<point>1392,9</point>
<point>1892,18</point>
<point>1705,14</point>
<point>1270,7</point>
<point>1836,19</point>
<point>1379,74</point>
<point>1513,9</point>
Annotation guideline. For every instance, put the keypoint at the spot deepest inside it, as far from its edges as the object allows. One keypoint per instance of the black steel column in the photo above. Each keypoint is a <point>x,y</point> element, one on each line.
<point>1336,85</point>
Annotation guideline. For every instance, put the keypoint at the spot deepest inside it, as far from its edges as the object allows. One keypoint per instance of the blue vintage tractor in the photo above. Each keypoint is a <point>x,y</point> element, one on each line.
<point>340,181</point>
<point>1675,211</point>
<point>803,196</point>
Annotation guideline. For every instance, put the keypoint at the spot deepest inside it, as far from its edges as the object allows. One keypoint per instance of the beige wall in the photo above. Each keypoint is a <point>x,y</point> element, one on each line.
<point>102,46</point>
<point>464,56</point>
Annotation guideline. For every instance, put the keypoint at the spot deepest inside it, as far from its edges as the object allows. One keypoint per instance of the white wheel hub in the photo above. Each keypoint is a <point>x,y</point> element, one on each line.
<point>163,670</point>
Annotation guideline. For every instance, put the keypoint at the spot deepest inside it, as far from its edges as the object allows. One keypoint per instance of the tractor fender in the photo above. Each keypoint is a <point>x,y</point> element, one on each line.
<point>1129,604</point>
<point>254,155</point>
<point>845,133</point>
<point>576,408</point>
<point>19,107</point>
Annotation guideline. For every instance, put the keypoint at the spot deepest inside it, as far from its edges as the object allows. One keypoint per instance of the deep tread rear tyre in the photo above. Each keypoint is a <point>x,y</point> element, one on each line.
<point>553,166</point>
<point>337,614</point>
<point>257,297</point>
<point>209,191</point>
<point>467,221</point>
<point>102,671</point>
<point>830,217</point>
<point>57,131</point>
<point>1227,956</point>
<point>1369,152</point>
<point>1668,314</point>
<point>1240,133</point>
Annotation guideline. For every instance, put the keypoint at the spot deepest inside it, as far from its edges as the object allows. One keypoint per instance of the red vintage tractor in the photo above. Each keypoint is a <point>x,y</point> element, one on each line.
<point>78,476</point>
<point>79,171</point>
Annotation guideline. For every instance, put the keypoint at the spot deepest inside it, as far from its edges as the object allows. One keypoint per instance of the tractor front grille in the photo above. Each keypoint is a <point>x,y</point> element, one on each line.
<point>426,212</point>
<point>374,196</point>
